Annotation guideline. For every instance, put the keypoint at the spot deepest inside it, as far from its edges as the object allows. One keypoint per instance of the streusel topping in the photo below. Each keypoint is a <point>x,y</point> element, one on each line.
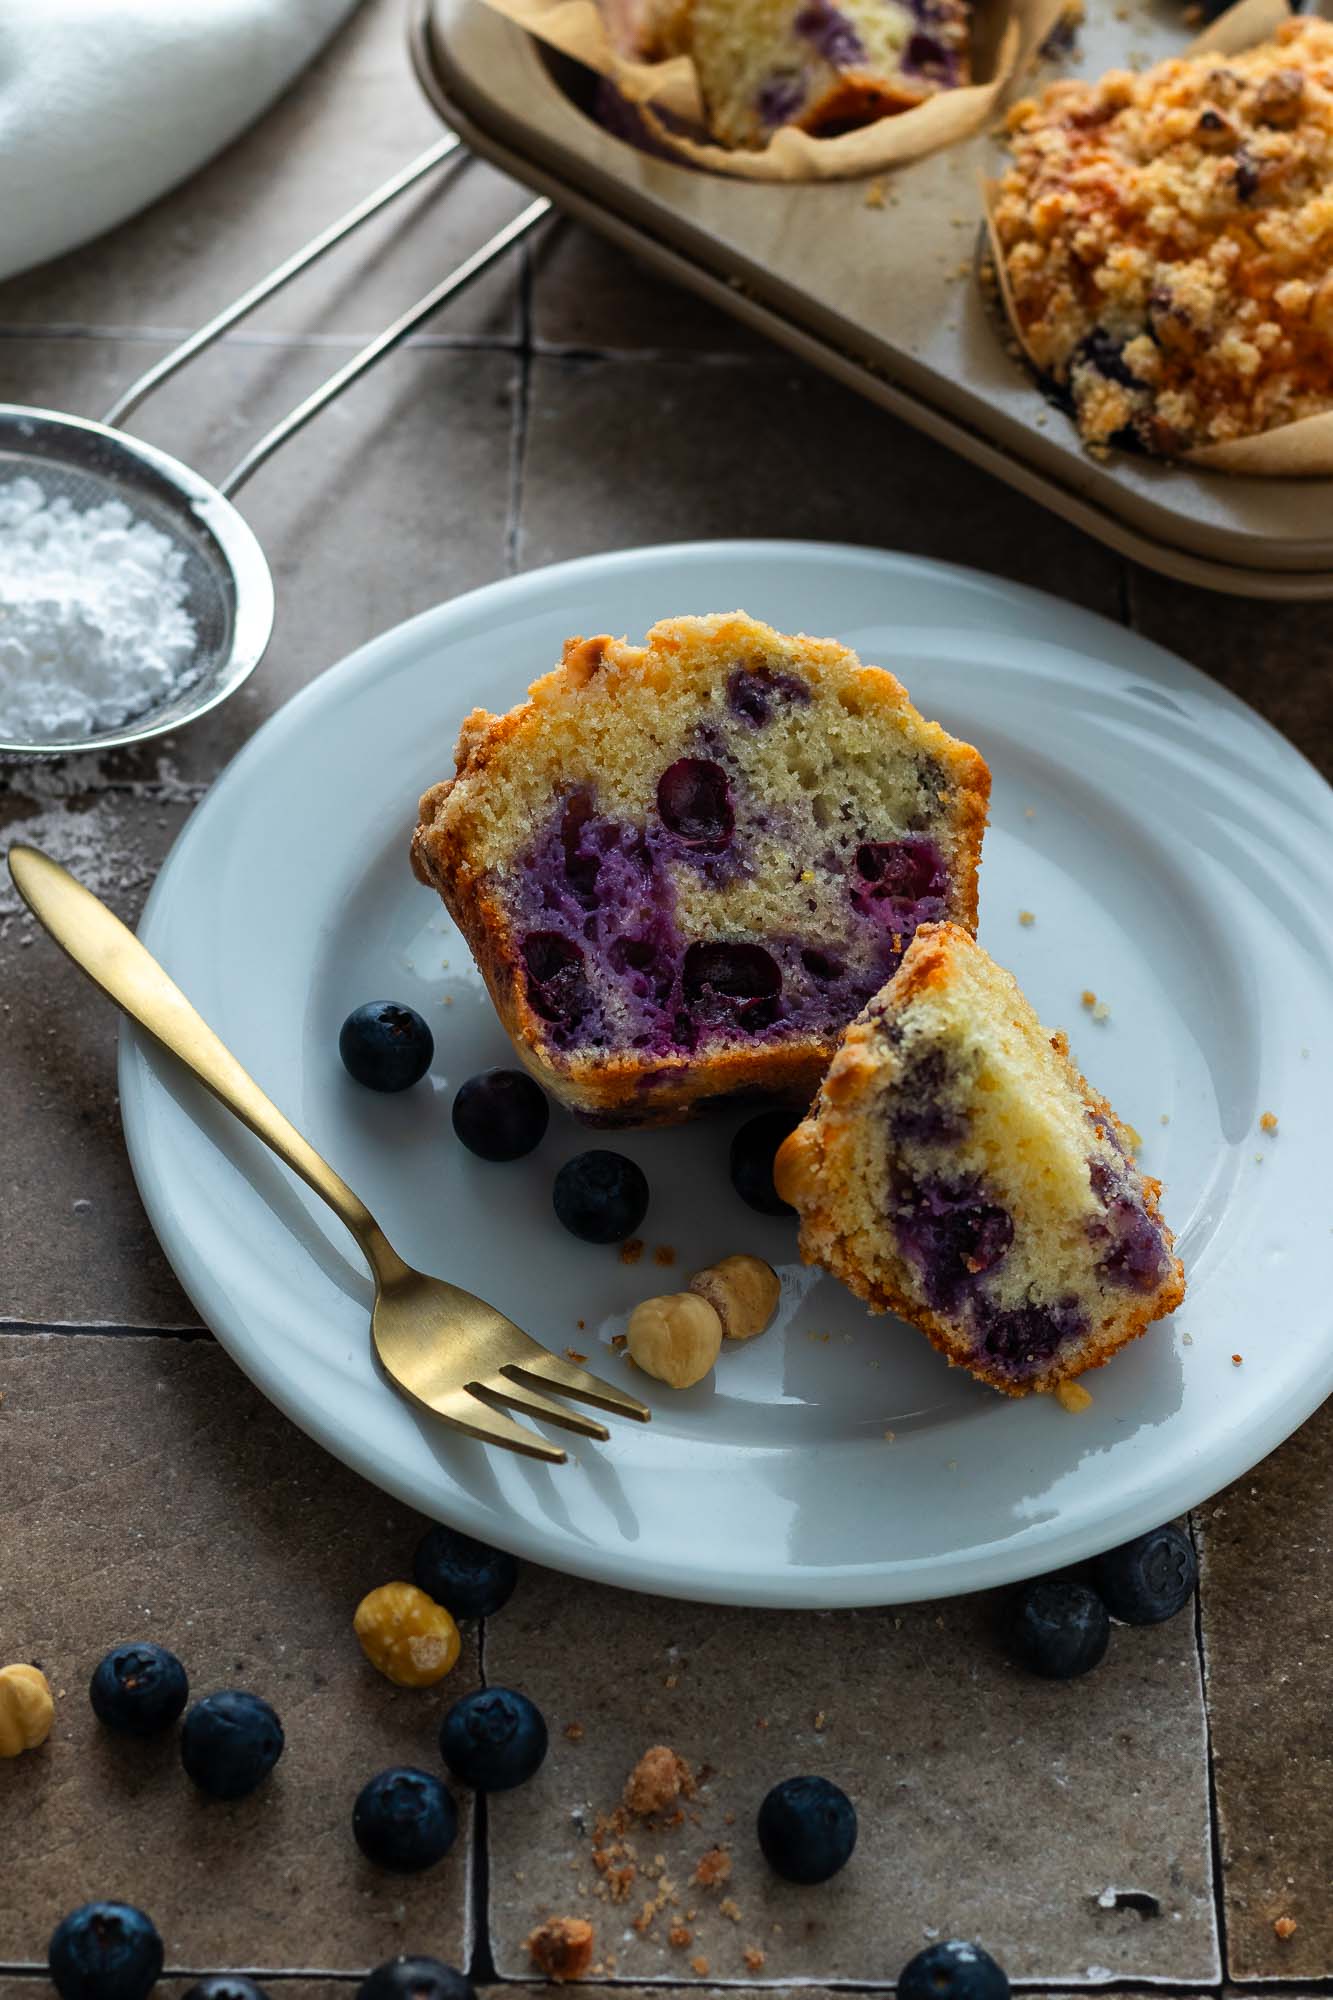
<point>1168,242</point>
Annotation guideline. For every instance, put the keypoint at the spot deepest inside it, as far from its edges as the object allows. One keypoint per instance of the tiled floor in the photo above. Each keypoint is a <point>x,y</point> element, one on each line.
<point>1146,1826</point>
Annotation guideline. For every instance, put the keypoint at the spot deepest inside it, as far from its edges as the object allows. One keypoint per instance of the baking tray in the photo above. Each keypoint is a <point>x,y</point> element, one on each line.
<point>885,299</point>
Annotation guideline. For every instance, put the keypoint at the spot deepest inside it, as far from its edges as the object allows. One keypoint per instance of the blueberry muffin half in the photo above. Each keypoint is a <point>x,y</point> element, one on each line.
<point>1167,242</point>
<point>957,1170</point>
<point>823,67</point>
<point>682,867</point>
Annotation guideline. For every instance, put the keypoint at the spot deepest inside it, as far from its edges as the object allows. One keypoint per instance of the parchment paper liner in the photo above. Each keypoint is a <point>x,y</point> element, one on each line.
<point>578,28</point>
<point>1300,450</point>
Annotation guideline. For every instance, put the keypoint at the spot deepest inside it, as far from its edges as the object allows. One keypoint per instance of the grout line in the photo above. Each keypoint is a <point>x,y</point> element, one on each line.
<point>481,1962</point>
<point>518,434</point>
<point>1214,1822</point>
<point>522,342</point>
<point>1173,1989</point>
<point>103,1328</point>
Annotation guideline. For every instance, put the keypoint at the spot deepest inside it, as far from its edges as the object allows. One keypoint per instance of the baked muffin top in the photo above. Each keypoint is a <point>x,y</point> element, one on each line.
<point>1168,242</point>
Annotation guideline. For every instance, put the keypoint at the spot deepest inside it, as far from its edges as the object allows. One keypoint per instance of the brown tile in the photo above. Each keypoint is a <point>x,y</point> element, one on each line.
<point>148,1491</point>
<point>1277,657</point>
<point>395,498</point>
<point>78,1246</point>
<point>351,121</point>
<point>1267,1545</point>
<point>587,293</point>
<point>997,1806</point>
<point>628,452</point>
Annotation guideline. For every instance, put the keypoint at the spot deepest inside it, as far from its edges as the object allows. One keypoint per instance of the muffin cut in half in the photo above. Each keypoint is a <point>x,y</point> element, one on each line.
<point>824,67</point>
<point>956,1169</point>
<point>682,867</point>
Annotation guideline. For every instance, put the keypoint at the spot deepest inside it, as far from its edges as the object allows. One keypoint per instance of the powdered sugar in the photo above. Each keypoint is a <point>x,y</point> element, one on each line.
<point>93,625</point>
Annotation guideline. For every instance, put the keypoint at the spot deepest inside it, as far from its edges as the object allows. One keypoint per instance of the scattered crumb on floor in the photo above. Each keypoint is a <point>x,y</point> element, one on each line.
<point>631,1251</point>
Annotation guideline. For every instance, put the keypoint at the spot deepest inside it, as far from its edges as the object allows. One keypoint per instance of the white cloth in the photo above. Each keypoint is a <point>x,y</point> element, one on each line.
<point>105,104</point>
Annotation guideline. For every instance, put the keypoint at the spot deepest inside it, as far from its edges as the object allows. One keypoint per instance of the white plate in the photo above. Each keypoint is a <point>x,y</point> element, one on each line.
<point>1175,852</point>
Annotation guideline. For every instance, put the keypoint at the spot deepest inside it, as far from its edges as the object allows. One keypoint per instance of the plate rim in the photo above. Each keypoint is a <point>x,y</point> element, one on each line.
<point>896,1580</point>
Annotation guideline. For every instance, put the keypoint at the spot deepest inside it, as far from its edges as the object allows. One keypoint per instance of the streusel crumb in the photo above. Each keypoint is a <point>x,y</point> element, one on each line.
<point>1166,239</point>
<point>754,1958</point>
<point>562,1947</point>
<point>1268,1123</point>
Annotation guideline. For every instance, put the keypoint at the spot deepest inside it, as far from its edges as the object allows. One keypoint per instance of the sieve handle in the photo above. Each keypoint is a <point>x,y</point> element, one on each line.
<point>301,260</point>
<point>457,281</point>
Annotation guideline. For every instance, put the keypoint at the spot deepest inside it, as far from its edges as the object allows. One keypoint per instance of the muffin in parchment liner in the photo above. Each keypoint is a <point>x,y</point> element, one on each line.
<point>669,97</point>
<point>1163,246</point>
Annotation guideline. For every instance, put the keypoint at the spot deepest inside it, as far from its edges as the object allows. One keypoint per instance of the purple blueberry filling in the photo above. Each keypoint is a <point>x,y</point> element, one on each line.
<point>780,99</point>
<point>950,1232</point>
<point>752,692</point>
<point>604,956</point>
<point>1022,1339</point>
<point>1136,1254</point>
<point>732,985</point>
<point>557,983</point>
<point>901,884</point>
<point>694,799</point>
<point>830,34</point>
<point>916,1113</point>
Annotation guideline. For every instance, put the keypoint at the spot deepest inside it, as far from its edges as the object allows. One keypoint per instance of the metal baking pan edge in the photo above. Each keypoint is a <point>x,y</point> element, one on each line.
<point>1233,579</point>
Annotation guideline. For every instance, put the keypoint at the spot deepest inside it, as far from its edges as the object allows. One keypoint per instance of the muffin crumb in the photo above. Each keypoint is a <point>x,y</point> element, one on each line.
<point>562,1947</point>
<point>1268,1123</point>
<point>1285,1927</point>
<point>1026,917</point>
<point>658,1779</point>
<point>712,1868</point>
<point>631,1250</point>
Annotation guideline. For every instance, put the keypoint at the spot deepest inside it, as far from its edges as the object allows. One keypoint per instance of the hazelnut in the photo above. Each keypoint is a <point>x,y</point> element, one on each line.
<point>26,1709</point>
<point>676,1338</point>
<point>744,1293</point>
<point>410,1638</point>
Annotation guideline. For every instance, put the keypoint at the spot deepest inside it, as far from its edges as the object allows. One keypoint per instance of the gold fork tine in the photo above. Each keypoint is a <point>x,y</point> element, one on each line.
<point>572,1381</point>
<point>501,1388</point>
<point>468,1413</point>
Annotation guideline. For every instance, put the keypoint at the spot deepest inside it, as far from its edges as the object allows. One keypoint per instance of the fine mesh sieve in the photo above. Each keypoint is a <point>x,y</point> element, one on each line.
<point>228,584</point>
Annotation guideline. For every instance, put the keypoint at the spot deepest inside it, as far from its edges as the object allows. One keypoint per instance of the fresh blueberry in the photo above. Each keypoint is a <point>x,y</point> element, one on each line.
<point>493,1740</point>
<point>415,1979</point>
<point>468,1578</point>
<point>953,1970</point>
<point>753,1151</point>
<point>601,1196</point>
<point>404,1820</point>
<point>385,1045</point>
<point>226,1986</point>
<point>807,1829</point>
<point>138,1688</point>
<point>1059,1629</point>
<point>104,1951</point>
<point>501,1114</point>
<point>230,1743</point>
<point>1150,1579</point>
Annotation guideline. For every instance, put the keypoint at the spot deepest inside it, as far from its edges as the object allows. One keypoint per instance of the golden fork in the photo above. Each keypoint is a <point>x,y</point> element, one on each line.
<point>446,1350</point>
